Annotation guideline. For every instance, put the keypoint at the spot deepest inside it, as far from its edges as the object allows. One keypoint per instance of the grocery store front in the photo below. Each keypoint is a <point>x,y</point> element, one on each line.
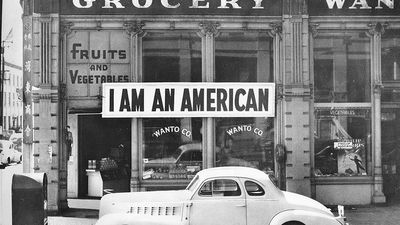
<point>152,92</point>
<point>215,104</point>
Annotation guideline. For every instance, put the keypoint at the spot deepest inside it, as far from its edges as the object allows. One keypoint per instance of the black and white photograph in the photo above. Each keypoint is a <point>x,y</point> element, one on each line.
<point>200,112</point>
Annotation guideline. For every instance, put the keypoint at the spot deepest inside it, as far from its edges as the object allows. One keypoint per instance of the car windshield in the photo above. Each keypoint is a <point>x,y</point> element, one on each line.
<point>177,153</point>
<point>193,183</point>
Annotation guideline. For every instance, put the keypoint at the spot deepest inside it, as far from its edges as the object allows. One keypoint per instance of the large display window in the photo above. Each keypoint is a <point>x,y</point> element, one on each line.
<point>390,115</point>
<point>171,57</point>
<point>244,57</point>
<point>342,141</point>
<point>245,142</point>
<point>342,82</point>
<point>172,147</point>
<point>342,67</point>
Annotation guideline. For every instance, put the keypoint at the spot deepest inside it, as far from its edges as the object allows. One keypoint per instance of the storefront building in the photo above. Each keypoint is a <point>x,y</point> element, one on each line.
<point>305,90</point>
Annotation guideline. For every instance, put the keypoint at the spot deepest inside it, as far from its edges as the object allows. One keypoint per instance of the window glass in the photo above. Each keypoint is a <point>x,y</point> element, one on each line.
<point>342,67</point>
<point>171,57</point>
<point>244,57</point>
<point>342,141</point>
<point>390,61</point>
<point>221,187</point>
<point>390,55</point>
<point>253,189</point>
<point>172,146</point>
<point>245,142</point>
<point>390,118</point>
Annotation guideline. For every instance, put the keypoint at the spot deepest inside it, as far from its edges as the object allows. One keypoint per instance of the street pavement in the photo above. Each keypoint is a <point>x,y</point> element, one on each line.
<point>388,214</point>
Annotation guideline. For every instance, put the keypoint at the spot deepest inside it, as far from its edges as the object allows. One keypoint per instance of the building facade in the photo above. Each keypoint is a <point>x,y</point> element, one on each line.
<point>12,99</point>
<point>332,68</point>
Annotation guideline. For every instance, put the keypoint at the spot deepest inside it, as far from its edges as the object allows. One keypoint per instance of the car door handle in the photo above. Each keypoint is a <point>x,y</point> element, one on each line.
<point>243,205</point>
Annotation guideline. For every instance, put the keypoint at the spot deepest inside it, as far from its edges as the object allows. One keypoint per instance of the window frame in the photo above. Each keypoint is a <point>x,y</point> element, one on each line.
<point>237,182</point>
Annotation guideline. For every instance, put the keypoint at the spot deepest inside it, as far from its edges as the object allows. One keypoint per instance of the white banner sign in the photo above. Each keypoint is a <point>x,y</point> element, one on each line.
<point>188,100</point>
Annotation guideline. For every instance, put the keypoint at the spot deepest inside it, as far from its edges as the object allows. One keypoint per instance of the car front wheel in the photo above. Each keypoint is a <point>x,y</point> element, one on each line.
<point>293,223</point>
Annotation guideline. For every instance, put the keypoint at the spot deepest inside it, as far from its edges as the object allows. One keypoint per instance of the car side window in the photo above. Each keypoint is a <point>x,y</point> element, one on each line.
<point>220,187</point>
<point>253,189</point>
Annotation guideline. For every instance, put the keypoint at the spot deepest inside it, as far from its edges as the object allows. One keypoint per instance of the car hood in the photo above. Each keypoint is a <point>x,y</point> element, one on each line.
<point>297,201</point>
<point>121,202</point>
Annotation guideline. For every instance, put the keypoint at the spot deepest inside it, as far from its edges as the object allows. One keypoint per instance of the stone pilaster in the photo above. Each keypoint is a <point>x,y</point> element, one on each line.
<point>375,32</point>
<point>135,30</point>
<point>47,147</point>
<point>208,31</point>
<point>296,97</point>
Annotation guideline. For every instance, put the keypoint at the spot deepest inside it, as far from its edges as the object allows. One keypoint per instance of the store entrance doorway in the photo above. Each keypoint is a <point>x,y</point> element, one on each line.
<point>391,154</point>
<point>104,155</point>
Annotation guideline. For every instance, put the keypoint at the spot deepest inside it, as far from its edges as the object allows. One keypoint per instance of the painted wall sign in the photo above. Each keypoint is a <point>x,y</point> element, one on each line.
<point>354,7</point>
<point>188,100</point>
<point>27,81</point>
<point>96,57</point>
<point>172,7</point>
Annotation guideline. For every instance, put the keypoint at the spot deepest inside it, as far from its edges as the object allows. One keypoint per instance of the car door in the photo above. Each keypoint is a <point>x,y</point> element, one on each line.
<point>261,205</point>
<point>219,201</point>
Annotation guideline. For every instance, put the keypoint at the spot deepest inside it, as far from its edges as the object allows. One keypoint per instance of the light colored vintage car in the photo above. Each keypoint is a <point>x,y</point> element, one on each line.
<point>8,154</point>
<point>221,195</point>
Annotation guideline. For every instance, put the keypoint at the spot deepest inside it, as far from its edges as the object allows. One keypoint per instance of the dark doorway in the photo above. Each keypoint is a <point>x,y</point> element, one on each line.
<point>391,153</point>
<point>101,140</point>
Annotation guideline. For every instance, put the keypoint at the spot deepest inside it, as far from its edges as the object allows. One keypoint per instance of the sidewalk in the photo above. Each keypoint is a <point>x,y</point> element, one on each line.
<point>75,217</point>
<point>374,215</point>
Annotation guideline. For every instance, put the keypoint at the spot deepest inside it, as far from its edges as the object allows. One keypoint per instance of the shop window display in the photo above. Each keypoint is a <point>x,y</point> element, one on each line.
<point>342,141</point>
<point>245,142</point>
<point>244,57</point>
<point>342,133</point>
<point>172,147</point>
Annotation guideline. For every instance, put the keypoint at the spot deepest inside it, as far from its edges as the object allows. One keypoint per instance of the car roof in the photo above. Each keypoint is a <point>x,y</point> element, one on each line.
<point>234,171</point>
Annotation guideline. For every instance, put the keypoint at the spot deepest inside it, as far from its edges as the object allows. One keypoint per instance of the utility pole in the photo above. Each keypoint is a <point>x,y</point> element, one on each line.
<point>2,87</point>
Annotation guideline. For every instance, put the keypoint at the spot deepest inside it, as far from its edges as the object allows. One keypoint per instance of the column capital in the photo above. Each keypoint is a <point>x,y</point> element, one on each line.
<point>377,28</point>
<point>133,28</point>
<point>314,29</point>
<point>209,28</point>
<point>65,28</point>
<point>276,29</point>
<point>378,88</point>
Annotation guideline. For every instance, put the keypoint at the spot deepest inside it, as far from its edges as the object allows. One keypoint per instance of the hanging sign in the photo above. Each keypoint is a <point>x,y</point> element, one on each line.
<point>188,99</point>
<point>27,83</point>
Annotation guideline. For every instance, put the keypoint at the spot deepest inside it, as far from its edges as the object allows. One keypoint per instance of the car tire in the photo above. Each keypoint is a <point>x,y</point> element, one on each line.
<point>293,223</point>
<point>20,159</point>
<point>8,160</point>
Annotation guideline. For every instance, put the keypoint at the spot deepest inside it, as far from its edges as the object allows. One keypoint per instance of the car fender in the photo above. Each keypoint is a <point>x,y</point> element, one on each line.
<point>305,217</point>
<point>131,219</point>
